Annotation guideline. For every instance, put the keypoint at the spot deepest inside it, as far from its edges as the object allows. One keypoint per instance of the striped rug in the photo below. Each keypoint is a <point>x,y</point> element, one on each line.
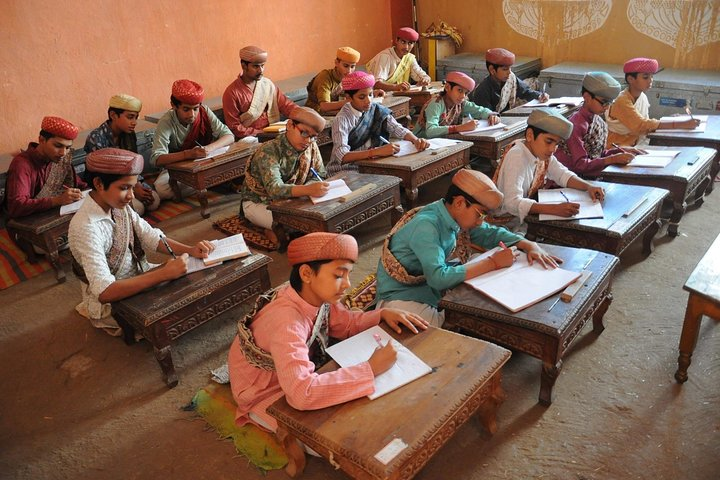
<point>14,267</point>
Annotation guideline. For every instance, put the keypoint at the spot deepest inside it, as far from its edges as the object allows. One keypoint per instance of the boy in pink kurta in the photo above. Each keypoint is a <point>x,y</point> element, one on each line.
<point>281,329</point>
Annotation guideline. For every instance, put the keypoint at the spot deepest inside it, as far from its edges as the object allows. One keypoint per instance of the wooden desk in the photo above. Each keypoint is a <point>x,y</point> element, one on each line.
<point>171,310</point>
<point>47,231</point>
<point>335,216</point>
<point>544,334</point>
<point>522,111</point>
<point>614,232</point>
<point>704,299</point>
<point>419,168</point>
<point>490,145</point>
<point>686,177</point>
<point>710,139</point>
<point>203,174</point>
<point>424,414</point>
<point>418,98</point>
<point>399,106</point>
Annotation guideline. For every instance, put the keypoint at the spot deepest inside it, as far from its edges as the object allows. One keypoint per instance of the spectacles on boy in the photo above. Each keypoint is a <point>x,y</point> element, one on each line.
<point>305,134</point>
<point>480,214</point>
<point>602,101</point>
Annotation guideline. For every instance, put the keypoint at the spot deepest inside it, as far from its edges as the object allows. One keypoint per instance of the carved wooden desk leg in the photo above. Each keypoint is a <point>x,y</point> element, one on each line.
<point>649,235</point>
<point>700,192</point>
<point>52,250</point>
<point>282,236</point>
<point>412,195</point>
<point>548,375</point>
<point>396,214</point>
<point>176,189</point>
<point>675,216</point>
<point>487,412</point>
<point>294,451</point>
<point>599,313</point>
<point>202,196</point>
<point>160,341</point>
<point>689,336</point>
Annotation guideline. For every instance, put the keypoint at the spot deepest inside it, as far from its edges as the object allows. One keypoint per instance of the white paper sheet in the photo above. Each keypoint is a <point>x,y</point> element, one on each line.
<point>650,161</point>
<point>338,188</point>
<point>588,208</point>
<point>359,348</point>
<point>408,148</point>
<point>214,153</point>
<point>484,126</point>
<point>574,101</point>
<point>75,206</point>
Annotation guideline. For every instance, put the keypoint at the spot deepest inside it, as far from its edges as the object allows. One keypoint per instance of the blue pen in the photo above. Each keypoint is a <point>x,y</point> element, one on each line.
<point>383,139</point>
<point>312,170</point>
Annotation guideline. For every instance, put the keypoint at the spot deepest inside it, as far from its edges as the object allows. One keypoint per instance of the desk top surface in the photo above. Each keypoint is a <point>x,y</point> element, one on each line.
<point>515,126</point>
<point>466,299</point>
<point>41,221</point>
<point>684,166</point>
<point>237,151</point>
<point>417,160</point>
<point>704,279</point>
<point>159,302</point>
<point>619,199</point>
<point>711,135</point>
<point>522,111</point>
<point>361,428</point>
<point>303,206</point>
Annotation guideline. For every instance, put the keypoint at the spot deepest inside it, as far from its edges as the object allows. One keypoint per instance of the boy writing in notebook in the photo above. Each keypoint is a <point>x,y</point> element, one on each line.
<point>288,166</point>
<point>502,90</point>
<point>526,167</point>
<point>446,111</point>
<point>119,131</point>
<point>416,265</point>
<point>252,101</point>
<point>108,240</point>
<point>282,342</point>
<point>42,177</point>
<point>629,116</point>
<point>188,131</point>
<point>362,127</point>
<point>584,152</point>
<point>395,66</point>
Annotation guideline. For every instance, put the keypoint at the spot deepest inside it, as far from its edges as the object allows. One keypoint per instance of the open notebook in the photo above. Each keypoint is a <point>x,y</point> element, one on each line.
<point>227,248</point>
<point>588,208</point>
<point>360,347</point>
<point>654,159</point>
<point>408,148</point>
<point>338,188</point>
<point>484,126</point>
<point>74,206</point>
<point>574,101</point>
<point>520,285</point>
<point>682,118</point>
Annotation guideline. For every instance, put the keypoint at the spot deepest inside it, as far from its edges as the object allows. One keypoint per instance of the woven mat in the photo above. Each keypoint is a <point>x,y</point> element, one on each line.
<point>216,406</point>
<point>362,297</point>
<point>171,208</point>
<point>253,234</point>
<point>14,266</point>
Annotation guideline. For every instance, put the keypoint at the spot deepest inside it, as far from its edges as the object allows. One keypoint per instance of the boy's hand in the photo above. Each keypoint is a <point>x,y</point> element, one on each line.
<point>386,150</point>
<point>197,152</point>
<point>620,159</point>
<point>503,258</point>
<point>202,249</point>
<point>536,254</point>
<point>382,359</point>
<point>421,144</point>
<point>394,317</point>
<point>493,120</point>
<point>468,126</point>
<point>596,193</point>
<point>403,86</point>
<point>566,209</point>
<point>544,97</point>
<point>177,267</point>
<point>143,194</point>
<point>377,93</point>
<point>318,189</point>
<point>69,195</point>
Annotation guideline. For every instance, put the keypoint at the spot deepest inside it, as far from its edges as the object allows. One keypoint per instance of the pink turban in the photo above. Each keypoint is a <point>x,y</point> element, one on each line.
<point>188,92</point>
<point>459,78</point>
<point>358,81</point>
<point>500,56</point>
<point>59,127</point>
<point>114,160</point>
<point>407,33</point>
<point>641,65</point>
<point>322,246</point>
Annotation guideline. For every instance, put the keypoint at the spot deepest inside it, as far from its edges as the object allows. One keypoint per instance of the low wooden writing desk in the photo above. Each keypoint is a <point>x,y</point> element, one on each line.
<point>490,145</point>
<point>419,97</point>
<point>47,231</point>
<point>710,138</point>
<point>614,232</point>
<point>423,414</point>
<point>703,286</point>
<point>544,334</point>
<point>170,310</point>
<point>419,168</point>
<point>335,216</point>
<point>686,177</point>
<point>203,174</point>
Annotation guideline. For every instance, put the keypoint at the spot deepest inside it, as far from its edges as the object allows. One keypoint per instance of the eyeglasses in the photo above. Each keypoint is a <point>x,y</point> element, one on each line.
<point>601,101</point>
<point>480,214</point>
<point>305,134</point>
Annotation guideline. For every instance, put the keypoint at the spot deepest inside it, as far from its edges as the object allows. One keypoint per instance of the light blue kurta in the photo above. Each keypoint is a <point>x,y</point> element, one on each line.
<point>435,112</point>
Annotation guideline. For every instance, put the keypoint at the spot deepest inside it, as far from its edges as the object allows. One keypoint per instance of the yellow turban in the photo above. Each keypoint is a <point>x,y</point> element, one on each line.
<point>127,102</point>
<point>347,54</point>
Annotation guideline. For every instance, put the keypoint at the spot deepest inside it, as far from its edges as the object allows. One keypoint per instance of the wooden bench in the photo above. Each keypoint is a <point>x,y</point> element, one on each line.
<point>171,310</point>
<point>703,286</point>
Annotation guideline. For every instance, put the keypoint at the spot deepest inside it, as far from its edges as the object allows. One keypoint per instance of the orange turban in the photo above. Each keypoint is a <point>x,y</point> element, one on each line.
<point>322,246</point>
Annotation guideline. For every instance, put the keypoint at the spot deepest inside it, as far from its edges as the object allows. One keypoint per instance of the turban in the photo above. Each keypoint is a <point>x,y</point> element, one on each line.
<point>114,160</point>
<point>127,102</point>
<point>309,117</point>
<point>500,56</point>
<point>188,92</point>
<point>479,186</point>
<point>322,246</point>
<point>641,65</point>
<point>253,54</point>
<point>347,54</point>
<point>550,121</point>
<point>358,81</point>
<point>601,84</point>
<point>59,127</point>
<point>407,33</point>
<point>459,78</point>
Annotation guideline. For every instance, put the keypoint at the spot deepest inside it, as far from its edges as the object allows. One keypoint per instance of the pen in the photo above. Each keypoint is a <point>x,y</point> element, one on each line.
<point>198,144</point>
<point>544,85</point>
<point>312,170</point>
<point>564,196</point>
<point>378,340</point>
<point>502,244</point>
<point>689,112</point>
<point>167,245</point>
<point>554,303</point>
<point>383,139</point>
<point>619,147</point>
